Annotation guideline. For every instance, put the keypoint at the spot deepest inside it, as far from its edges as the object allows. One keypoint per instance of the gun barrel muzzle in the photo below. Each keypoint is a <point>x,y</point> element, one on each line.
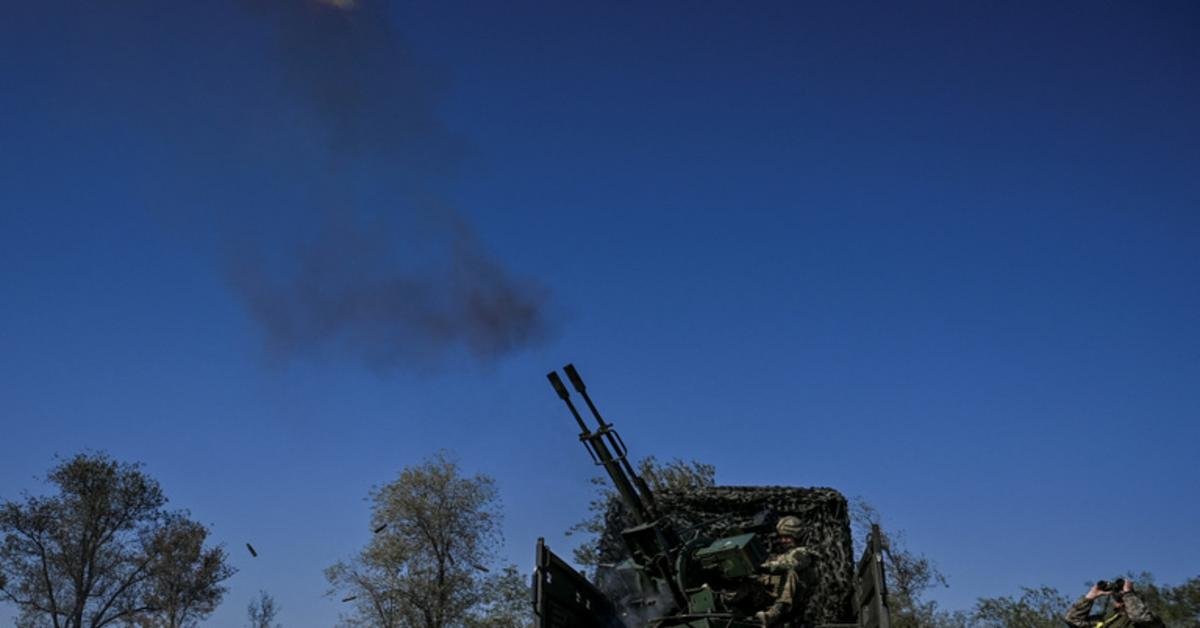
<point>557,383</point>
<point>576,380</point>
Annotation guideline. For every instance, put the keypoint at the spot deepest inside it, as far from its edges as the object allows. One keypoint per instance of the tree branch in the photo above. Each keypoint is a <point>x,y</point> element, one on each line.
<point>130,581</point>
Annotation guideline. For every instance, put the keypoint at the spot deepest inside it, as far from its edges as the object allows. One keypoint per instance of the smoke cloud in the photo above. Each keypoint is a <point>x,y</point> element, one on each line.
<point>343,295</point>
<point>346,63</point>
<point>360,287</point>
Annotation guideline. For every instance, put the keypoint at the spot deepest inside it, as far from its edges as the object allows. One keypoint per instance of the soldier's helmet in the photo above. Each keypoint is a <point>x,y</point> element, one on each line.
<point>790,526</point>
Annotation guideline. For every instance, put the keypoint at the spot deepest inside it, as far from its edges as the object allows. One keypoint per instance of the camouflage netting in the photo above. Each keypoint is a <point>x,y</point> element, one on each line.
<point>823,511</point>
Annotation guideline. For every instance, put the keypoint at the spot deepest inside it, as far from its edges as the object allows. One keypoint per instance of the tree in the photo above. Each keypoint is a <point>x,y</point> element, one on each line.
<point>506,601</point>
<point>185,577</point>
<point>909,575</point>
<point>676,475</point>
<point>262,610</point>
<point>1175,605</point>
<point>426,567</point>
<point>102,550</point>
<point>1042,607</point>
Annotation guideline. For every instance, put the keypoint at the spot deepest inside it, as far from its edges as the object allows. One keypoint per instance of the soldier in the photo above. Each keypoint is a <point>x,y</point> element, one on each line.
<point>1128,610</point>
<point>782,577</point>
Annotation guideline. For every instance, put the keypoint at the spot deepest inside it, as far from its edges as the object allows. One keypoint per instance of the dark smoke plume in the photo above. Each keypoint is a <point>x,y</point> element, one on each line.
<point>346,63</point>
<point>362,288</point>
<point>347,297</point>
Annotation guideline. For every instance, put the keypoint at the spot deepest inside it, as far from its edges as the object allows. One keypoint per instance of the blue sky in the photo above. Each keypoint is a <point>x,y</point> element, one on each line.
<point>942,256</point>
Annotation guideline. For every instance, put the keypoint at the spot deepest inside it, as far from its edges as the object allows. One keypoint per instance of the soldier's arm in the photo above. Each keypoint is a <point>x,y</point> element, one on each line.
<point>795,559</point>
<point>1138,613</point>
<point>1079,613</point>
<point>785,606</point>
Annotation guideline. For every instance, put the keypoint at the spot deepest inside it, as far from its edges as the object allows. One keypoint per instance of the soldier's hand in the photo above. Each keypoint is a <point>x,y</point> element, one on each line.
<point>761,616</point>
<point>1096,592</point>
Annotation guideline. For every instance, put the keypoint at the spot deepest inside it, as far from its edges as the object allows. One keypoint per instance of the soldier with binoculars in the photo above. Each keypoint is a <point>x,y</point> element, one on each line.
<point>1126,610</point>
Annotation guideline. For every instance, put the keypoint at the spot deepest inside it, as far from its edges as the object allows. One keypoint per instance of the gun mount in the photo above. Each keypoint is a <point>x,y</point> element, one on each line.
<point>696,561</point>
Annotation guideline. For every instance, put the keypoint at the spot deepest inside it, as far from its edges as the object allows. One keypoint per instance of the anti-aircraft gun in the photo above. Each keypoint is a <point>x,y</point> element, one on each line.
<point>694,581</point>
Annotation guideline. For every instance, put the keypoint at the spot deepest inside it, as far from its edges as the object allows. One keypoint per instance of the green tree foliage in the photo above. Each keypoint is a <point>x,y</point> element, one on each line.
<point>676,475</point>
<point>262,610</point>
<point>102,550</point>
<point>185,577</point>
<point>506,601</point>
<point>1042,607</point>
<point>427,565</point>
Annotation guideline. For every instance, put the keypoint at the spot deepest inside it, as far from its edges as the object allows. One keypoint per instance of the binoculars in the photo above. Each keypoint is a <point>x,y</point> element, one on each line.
<point>1114,587</point>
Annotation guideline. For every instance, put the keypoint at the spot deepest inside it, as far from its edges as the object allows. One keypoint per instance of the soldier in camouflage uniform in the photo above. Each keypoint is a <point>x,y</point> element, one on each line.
<point>1128,611</point>
<point>784,577</point>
